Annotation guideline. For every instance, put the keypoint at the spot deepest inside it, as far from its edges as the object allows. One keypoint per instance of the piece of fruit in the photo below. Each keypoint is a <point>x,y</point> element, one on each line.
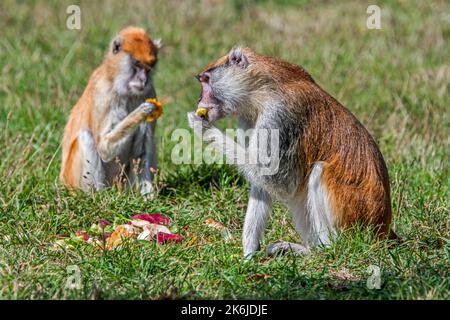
<point>83,235</point>
<point>101,227</point>
<point>102,223</point>
<point>121,233</point>
<point>226,234</point>
<point>156,218</point>
<point>214,224</point>
<point>139,223</point>
<point>202,112</point>
<point>165,237</point>
<point>151,231</point>
<point>158,111</point>
<point>193,241</point>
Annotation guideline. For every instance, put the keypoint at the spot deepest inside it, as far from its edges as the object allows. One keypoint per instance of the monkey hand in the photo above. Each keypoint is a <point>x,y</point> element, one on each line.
<point>147,110</point>
<point>157,112</point>
<point>198,124</point>
<point>201,126</point>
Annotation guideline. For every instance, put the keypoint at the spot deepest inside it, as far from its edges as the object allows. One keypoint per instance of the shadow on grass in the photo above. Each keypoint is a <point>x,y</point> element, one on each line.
<point>188,177</point>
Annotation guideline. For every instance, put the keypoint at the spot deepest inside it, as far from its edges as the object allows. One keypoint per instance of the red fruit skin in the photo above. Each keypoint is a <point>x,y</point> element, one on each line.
<point>103,223</point>
<point>155,218</point>
<point>83,235</point>
<point>165,237</point>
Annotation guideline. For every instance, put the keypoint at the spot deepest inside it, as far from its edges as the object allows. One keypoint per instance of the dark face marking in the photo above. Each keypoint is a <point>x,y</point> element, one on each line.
<point>140,77</point>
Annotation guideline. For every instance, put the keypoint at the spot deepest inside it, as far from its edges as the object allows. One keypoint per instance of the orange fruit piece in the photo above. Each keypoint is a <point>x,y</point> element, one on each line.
<point>214,224</point>
<point>157,113</point>
<point>117,237</point>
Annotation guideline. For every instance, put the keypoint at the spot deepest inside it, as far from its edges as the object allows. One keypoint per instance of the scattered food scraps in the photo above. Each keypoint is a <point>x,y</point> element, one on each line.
<point>164,237</point>
<point>193,241</point>
<point>102,224</point>
<point>214,224</point>
<point>118,236</point>
<point>218,226</point>
<point>156,218</point>
<point>144,226</point>
<point>83,235</point>
<point>151,231</point>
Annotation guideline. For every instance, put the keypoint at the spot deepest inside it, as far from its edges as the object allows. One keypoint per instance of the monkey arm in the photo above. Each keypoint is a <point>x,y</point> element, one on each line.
<point>260,201</point>
<point>110,144</point>
<point>249,159</point>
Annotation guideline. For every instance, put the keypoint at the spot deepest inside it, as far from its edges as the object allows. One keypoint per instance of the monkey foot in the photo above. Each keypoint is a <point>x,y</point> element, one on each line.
<point>249,256</point>
<point>148,191</point>
<point>283,247</point>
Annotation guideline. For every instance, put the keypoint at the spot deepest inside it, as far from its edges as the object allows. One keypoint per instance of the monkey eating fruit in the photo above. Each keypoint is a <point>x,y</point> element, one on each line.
<point>108,139</point>
<point>324,164</point>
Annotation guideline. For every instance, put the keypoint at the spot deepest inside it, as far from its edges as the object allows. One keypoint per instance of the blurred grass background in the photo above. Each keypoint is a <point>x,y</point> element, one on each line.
<point>395,80</point>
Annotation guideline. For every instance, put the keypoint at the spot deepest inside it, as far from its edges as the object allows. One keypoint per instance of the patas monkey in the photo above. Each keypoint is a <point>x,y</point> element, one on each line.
<point>331,173</point>
<point>107,136</point>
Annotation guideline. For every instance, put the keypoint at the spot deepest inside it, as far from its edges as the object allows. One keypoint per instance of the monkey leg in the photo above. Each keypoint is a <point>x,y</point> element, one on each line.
<point>297,206</point>
<point>144,158</point>
<point>298,210</point>
<point>258,210</point>
<point>320,218</point>
<point>93,173</point>
<point>312,217</point>
<point>150,164</point>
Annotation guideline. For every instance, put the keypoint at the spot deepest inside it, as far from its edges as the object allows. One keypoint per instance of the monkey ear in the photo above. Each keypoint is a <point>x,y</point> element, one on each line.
<point>158,43</point>
<point>116,45</point>
<point>238,57</point>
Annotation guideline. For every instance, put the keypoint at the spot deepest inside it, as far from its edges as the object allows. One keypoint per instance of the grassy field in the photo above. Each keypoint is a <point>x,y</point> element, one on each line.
<point>395,80</point>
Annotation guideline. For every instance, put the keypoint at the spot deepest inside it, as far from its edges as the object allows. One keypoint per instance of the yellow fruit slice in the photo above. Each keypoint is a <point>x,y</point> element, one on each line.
<point>158,111</point>
<point>118,236</point>
<point>202,112</point>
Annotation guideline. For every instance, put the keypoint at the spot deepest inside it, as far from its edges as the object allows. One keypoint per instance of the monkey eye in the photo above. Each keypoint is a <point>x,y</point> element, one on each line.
<point>140,66</point>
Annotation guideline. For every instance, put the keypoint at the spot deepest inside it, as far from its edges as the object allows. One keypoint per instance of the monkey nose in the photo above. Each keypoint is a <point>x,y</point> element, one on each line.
<point>203,77</point>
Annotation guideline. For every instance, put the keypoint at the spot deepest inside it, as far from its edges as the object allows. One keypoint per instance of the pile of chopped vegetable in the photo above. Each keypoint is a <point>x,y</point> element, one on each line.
<point>107,236</point>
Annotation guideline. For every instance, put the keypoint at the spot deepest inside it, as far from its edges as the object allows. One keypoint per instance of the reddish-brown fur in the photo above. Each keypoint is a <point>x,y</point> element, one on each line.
<point>138,44</point>
<point>354,174</point>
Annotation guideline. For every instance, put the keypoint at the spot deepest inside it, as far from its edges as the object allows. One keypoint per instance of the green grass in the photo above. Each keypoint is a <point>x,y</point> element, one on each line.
<point>395,80</point>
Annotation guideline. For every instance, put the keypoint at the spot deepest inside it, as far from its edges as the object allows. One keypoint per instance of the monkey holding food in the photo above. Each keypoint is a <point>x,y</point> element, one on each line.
<point>107,134</point>
<point>331,173</point>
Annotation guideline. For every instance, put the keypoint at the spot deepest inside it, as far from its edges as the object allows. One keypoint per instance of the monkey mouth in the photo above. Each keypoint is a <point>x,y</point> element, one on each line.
<point>211,103</point>
<point>137,89</point>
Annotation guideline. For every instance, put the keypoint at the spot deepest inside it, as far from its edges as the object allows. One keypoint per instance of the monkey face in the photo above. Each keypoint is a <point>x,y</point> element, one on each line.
<point>225,86</point>
<point>133,78</point>
<point>140,79</point>
<point>133,56</point>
